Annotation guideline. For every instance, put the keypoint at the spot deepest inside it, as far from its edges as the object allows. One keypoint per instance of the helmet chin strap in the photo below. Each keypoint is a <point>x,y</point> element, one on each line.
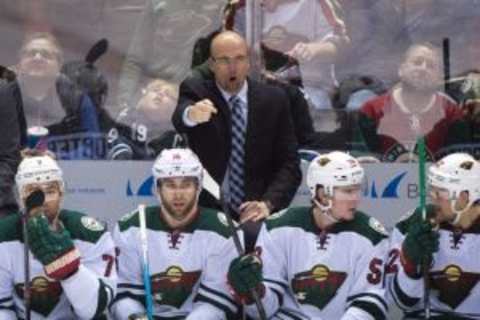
<point>326,210</point>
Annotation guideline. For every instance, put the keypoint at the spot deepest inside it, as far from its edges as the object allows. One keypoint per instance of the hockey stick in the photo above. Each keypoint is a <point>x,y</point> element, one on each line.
<point>446,64</point>
<point>213,188</point>
<point>146,269</point>
<point>34,200</point>
<point>421,182</point>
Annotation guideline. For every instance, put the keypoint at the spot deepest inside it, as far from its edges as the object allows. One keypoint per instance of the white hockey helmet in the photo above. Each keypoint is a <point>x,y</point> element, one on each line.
<point>38,169</point>
<point>334,169</point>
<point>177,162</point>
<point>455,173</point>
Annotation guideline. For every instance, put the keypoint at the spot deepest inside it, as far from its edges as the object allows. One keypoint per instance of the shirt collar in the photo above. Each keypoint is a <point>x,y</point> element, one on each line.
<point>242,94</point>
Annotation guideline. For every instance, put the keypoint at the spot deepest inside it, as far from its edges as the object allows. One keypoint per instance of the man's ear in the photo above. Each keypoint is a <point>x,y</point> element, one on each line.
<point>210,63</point>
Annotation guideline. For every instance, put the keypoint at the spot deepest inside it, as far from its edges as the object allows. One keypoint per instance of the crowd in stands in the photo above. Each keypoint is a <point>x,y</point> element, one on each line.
<point>333,58</point>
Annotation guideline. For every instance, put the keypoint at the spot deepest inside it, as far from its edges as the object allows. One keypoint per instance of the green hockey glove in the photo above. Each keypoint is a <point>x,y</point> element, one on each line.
<point>244,275</point>
<point>54,249</point>
<point>418,247</point>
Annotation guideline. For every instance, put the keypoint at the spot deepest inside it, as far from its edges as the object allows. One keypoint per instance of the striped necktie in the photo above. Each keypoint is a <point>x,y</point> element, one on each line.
<point>237,156</point>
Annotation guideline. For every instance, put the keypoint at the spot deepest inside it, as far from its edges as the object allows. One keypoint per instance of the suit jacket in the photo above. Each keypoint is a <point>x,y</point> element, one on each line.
<point>272,169</point>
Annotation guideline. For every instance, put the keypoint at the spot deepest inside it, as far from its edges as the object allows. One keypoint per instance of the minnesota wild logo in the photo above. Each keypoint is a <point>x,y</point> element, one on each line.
<point>318,286</point>
<point>454,285</point>
<point>173,286</point>
<point>45,294</point>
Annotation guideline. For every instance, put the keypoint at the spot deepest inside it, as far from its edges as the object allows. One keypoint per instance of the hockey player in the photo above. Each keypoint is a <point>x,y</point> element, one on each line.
<point>189,248</point>
<point>447,243</point>
<point>72,262</point>
<point>319,262</point>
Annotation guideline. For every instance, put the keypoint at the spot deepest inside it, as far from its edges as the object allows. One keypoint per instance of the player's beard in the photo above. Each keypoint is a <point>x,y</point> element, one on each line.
<point>172,212</point>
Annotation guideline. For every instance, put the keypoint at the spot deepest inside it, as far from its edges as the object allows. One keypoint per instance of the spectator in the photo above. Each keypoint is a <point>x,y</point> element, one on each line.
<point>163,42</point>
<point>436,20</point>
<point>39,62</point>
<point>82,89</point>
<point>241,130</point>
<point>391,123</point>
<point>12,120</point>
<point>149,124</point>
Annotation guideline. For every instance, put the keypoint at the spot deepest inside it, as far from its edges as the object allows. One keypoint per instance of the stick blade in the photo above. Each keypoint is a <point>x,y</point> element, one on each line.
<point>211,185</point>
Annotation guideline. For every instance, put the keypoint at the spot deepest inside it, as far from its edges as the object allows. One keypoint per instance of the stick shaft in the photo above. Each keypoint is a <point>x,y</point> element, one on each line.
<point>26,256</point>
<point>146,269</point>
<point>423,208</point>
<point>241,251</point>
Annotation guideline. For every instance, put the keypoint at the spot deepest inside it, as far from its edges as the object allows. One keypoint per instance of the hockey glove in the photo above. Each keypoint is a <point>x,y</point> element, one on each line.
<point>245,275</point>
<point>54,249</point>
<point>418,247</point>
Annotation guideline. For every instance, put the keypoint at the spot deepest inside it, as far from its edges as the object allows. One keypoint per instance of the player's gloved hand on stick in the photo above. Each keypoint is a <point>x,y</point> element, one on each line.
<point>54,249</point>
<point>244,275</point>
<point>418,247</point>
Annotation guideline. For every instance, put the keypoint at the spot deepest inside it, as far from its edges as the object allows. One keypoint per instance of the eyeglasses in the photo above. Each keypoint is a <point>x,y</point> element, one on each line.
<point>226,61</point>
<point>46,54</point>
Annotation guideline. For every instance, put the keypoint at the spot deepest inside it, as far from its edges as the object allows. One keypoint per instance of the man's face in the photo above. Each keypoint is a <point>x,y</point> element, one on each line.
<point>230,63</point>
<point>53,198</point>
<point>345,202</point>
<point>39,59</point>
<point>421,70</point>
<point>158,101</point>
<point>178,197</point>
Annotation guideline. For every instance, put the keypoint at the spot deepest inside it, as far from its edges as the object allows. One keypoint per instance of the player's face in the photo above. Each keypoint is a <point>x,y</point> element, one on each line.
<point>345,202</point>
<point>53,198</point>
<point>442,200</point>
<point>179,197</point>
<point>230,64</point>
<point>39,58</point>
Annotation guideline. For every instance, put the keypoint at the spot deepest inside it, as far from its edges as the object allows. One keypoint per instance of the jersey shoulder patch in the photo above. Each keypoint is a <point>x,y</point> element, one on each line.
<point>81,226</point>
<point>214,221</point>
<point>11,228</point>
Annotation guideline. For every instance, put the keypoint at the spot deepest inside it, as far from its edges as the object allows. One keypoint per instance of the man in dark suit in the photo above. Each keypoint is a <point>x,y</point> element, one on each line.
<point>12,122</point>
<point>267,166</point>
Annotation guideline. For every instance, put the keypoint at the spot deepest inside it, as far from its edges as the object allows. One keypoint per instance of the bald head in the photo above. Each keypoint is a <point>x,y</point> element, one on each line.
<point>229,61</point>
<point>229,38</point>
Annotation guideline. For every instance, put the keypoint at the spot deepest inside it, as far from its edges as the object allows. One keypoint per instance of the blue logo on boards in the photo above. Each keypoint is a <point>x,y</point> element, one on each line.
<point>390,190</point>
<point>145,189</point>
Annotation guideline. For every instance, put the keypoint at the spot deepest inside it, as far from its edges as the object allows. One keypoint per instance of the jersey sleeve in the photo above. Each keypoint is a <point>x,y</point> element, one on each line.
<point>405,291</point>
<point>131,294</point>
<point>366,299</point>
<point>214,299</point>
<point>91,289</point>
<point>274,273</point>
<point>7,308</point>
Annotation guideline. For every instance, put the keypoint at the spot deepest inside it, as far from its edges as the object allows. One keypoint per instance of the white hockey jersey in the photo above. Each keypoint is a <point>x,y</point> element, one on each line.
<point>84,295</point>
<point>329,275</point>
<point>188,267</point>
<point>453,277</point>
